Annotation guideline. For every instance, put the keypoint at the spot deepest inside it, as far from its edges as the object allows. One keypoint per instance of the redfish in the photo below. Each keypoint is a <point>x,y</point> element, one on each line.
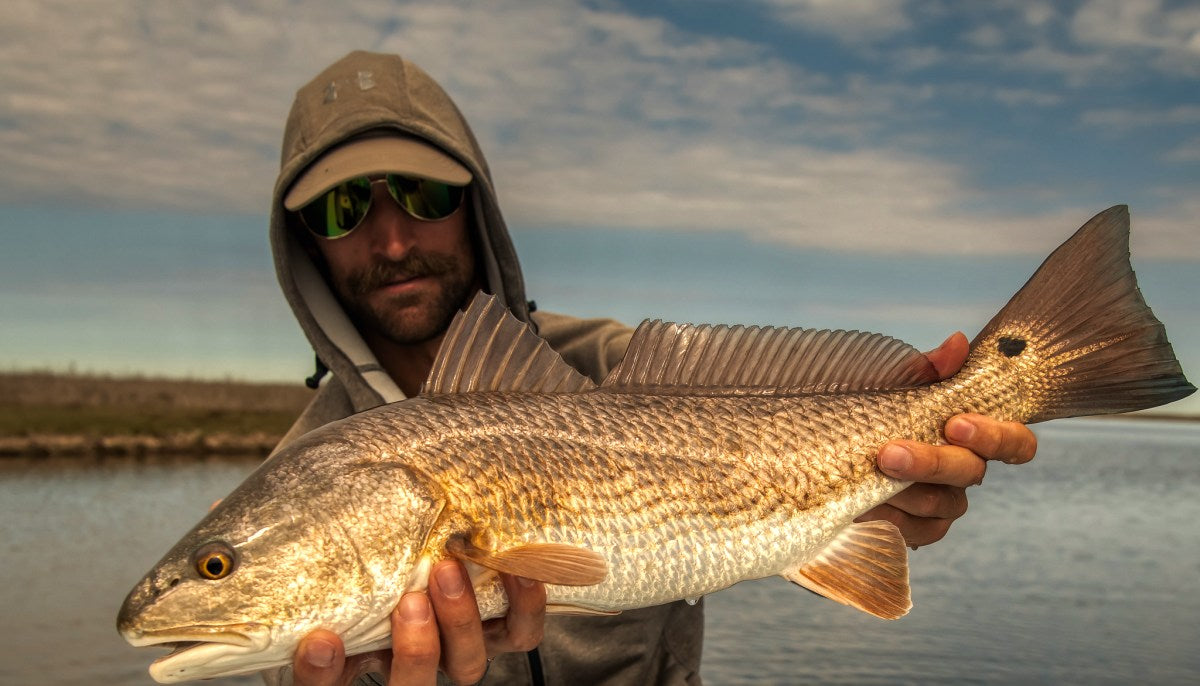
<point>710,455</point>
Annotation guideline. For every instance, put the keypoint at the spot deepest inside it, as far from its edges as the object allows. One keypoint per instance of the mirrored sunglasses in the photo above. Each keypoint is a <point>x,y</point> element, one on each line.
<point>343,208</point>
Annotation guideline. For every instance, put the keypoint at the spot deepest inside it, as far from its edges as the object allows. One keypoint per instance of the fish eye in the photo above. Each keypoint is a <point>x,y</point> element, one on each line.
<point>1010,347</point>
<point>214,561</point>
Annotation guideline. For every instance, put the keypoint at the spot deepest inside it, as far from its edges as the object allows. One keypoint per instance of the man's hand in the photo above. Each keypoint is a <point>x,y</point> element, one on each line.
<point>438,630</point>
<point>925,510</point>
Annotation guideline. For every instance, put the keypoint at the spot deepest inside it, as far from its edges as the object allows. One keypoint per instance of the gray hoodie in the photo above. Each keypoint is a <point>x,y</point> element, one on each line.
<point>366,91</point>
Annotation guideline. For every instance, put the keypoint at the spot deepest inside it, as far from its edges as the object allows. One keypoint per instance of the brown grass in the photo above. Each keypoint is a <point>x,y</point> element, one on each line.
<point>85,413</point>
<point>90,390</point>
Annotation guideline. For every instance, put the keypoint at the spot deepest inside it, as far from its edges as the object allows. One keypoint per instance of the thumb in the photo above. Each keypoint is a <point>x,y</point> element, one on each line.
<point>950,355</point>
<point>320,659</point>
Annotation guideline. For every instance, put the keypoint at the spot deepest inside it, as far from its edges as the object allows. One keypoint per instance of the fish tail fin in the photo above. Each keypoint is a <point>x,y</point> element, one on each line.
<point>1080,335</point>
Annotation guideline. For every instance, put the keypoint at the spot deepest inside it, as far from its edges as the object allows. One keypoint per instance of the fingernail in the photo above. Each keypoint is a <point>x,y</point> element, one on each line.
<point>450,581</point>
<point>524,582</point>
<point>959,430</point>
<point>318,653</point>
<point>414,608</point>
<point>895,458</point>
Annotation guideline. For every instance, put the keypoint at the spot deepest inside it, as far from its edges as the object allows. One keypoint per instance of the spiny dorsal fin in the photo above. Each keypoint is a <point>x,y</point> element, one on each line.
<point>765,360</point>
<point>865,567</point>
<point>486,348</point>
<point>551,563</point>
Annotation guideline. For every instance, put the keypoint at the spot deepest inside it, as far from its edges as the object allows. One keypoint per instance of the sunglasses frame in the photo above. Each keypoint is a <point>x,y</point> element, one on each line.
<point>384,179</point>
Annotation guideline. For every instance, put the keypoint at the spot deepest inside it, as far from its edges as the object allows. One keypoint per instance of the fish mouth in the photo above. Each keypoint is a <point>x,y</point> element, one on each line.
<point>202,651</point>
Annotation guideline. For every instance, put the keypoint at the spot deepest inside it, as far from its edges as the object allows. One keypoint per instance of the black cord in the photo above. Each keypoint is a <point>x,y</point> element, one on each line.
<point>536,676</point>
<point>315,380</point>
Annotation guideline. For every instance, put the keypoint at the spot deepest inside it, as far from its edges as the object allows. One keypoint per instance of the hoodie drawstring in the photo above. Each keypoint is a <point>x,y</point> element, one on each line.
<point>315,380</point>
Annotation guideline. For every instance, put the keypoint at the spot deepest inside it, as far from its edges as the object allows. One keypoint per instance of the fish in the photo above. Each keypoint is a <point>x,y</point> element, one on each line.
<point>709,455</point>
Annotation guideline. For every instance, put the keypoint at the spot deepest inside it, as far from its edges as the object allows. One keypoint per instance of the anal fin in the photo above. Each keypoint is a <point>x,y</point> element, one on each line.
<point>865,567</point>
<point>551,563</point>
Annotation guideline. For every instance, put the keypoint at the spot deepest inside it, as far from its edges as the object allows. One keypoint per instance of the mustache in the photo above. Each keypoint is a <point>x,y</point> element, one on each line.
<point>382,272</point>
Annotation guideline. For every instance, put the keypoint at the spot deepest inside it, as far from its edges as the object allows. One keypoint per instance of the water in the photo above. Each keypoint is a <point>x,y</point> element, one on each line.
<point>1080,567</point>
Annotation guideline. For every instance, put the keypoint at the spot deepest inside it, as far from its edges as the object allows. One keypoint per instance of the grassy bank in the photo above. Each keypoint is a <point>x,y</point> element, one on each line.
<point>62,414</point>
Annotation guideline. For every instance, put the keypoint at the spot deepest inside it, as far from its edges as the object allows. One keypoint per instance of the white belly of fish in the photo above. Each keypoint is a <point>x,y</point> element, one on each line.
<point>694,556</point>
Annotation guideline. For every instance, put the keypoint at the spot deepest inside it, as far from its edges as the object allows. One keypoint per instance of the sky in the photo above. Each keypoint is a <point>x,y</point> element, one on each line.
<point>890,165</point>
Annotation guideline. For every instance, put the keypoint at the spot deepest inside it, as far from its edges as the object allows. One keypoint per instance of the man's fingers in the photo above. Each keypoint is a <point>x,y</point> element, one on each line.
<point>415,646</point>
<point>464,656</point>
<point>990,439</point>
<point>917,531</point>
<point>319,660</point>
<point>948,357</point>
<point>931,501</point>
<point>521,630</point>
<point>947,464</point>
<point>922,512</point>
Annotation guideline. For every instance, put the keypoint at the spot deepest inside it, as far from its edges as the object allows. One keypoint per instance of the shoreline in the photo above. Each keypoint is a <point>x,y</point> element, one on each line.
<point>195,444</point>
<point>49,415</point>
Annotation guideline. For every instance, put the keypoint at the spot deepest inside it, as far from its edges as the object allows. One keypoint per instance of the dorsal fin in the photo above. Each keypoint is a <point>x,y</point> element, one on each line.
<point>486,348</point>
<point>740,360</point>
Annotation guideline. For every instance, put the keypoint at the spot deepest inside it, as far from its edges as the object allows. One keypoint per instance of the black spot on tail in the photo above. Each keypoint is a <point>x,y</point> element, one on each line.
<point>1011,347</point>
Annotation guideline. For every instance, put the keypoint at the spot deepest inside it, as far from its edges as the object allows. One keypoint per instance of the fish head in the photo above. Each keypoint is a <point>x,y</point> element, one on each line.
<point>279,557</point>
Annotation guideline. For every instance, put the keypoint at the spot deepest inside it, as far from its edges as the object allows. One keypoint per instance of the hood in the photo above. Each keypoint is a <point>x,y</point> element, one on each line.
<point>358,93</point>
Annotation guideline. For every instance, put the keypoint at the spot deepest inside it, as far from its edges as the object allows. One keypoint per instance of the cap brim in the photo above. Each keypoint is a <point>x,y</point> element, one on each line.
<point>383,154</point>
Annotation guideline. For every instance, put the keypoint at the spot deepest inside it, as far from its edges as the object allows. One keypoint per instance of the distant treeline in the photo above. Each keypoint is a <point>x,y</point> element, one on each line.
<point>47,413</point>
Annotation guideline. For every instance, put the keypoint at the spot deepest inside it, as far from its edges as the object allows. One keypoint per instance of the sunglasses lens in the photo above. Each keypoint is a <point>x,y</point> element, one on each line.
<point>423,198</point>
<point>340,210</point>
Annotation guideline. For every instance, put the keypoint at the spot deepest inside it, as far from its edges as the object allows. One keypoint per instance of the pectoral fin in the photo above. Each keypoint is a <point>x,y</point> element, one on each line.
<point>865,567</point>
<point>551,563</point>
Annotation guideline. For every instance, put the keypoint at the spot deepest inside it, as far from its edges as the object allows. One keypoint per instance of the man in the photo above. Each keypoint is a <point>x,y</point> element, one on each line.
<point>384,223</point>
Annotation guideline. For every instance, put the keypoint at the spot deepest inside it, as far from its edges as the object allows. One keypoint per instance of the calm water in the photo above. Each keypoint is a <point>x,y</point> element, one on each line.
<point>1081,567</point>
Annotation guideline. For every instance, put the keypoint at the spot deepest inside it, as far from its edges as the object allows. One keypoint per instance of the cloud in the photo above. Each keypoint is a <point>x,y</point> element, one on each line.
<point>1172,31</point>
<point>1018,97</point>
<point>852,22</point>
<point>1185,152</point>
<point>1123,119</point>
<point>591,116</point>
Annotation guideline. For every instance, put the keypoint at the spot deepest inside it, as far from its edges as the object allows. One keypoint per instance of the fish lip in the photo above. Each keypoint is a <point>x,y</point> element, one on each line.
<point>244,635</point>
<point>198,648</point>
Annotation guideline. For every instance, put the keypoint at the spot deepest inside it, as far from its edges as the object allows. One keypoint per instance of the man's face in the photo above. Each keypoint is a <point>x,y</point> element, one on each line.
<point>401,278</point>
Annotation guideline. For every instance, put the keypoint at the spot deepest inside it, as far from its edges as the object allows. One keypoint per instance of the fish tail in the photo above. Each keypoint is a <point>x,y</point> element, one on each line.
<point>1080,334</point>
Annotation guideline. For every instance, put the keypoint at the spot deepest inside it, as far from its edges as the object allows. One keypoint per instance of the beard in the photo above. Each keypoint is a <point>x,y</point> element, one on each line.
<point>408,318</point>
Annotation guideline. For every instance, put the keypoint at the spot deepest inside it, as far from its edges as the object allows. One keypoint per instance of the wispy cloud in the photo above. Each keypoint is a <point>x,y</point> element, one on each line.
<point>1142,117</point>
<point>852,22</point>
<point>1187,151</point>
<point>1170,30</point>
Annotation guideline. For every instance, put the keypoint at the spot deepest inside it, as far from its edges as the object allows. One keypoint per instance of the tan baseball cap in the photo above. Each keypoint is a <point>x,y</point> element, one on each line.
<point>375,153</point>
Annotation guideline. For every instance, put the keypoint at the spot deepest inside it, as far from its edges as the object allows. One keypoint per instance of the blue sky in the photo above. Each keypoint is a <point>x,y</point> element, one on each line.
<point>881,164</point>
